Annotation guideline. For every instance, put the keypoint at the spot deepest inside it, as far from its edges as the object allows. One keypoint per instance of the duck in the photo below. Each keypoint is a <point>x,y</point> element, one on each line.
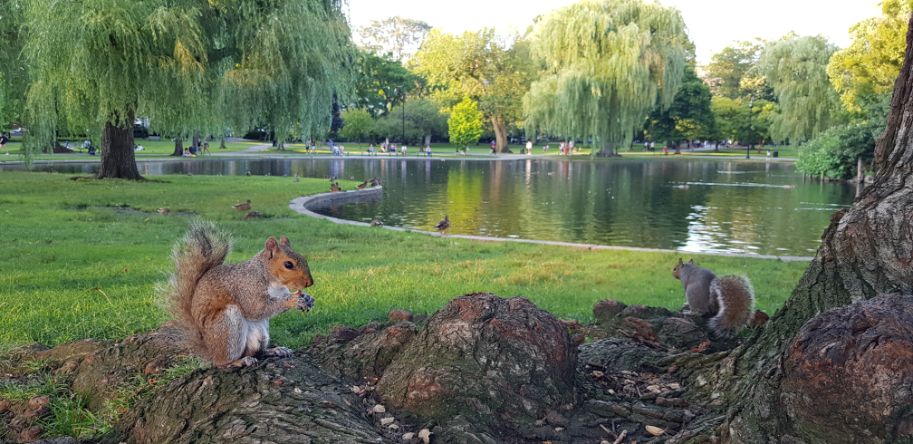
<point>243,206</point>
<point>363,184</point>
<point>334,187</point>
<point>375,182</point>
<point>443,225</point>
<point>376,222</point>
<point>164,210</point>
<point>252,215</point>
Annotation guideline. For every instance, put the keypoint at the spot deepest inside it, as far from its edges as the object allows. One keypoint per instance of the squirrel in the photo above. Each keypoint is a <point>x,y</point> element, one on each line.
<point>224,309</point>
<point>728,299</point>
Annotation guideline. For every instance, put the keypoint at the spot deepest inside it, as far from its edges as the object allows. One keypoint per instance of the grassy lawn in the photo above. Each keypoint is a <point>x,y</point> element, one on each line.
<point>81,259</point>
<point>151,149</point>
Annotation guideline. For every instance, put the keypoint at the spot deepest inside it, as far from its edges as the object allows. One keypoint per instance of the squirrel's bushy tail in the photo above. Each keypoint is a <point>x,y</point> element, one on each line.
<point>202,248</point>
<point>736,301</point>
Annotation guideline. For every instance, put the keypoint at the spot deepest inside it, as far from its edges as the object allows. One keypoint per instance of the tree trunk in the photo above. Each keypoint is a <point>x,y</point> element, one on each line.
<point>222,143</point>
<point>427,140</point>
<point>865,252</point>
<point>607,150</point>
<point>500,128</point>
<point>117,157</point>
<point>178,147</point>
<point>195,142</point>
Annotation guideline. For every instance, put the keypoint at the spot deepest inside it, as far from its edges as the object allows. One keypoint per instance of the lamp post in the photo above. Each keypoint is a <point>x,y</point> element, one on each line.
<point>748,144</point>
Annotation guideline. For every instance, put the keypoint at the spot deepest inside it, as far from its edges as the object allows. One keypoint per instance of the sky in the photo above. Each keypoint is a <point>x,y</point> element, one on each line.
<point>712,24</point>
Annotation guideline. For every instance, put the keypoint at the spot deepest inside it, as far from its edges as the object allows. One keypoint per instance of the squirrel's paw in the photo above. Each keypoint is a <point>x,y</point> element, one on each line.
<point>246,361</point>
<point>280,352</point>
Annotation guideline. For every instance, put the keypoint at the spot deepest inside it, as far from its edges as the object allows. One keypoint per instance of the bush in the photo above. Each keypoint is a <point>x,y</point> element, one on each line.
<point>833,153</point>
<point>357,126</point>
<point>465,123</point>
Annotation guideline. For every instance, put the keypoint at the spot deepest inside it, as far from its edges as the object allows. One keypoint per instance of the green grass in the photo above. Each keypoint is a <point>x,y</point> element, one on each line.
<point>81,259</point>
<point>152,149</point>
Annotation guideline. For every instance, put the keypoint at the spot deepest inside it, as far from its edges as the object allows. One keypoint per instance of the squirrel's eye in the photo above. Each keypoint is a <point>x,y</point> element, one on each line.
<point>289,265</point>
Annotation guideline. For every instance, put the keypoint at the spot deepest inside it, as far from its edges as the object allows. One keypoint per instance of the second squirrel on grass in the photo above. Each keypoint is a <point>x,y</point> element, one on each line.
<point>225,308</point>
<point>729,299</point>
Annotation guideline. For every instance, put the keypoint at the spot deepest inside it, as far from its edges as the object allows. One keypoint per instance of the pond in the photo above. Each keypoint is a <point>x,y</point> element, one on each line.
<point>695,205</point>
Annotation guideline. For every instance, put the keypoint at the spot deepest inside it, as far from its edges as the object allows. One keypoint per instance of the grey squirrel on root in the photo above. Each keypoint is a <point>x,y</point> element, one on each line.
<point>225,309</point>
<point>729,299</point>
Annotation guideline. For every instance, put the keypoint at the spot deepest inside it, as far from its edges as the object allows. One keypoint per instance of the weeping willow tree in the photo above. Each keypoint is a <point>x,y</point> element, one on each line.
<point>271,64</point>
<point>796,68</point>
<point>95,63</point>
<point>289,59</point>
<point>608,63</point>
<point>190,66</point>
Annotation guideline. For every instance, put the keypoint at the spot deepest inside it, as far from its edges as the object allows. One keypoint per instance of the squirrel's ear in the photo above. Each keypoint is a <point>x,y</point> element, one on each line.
<point>271,245</point>
<point>691,261</point>
<point>283,241</point>
<point>680,261</point>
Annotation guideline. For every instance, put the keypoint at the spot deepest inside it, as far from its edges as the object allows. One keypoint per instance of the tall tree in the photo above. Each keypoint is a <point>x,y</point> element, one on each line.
<point>380,83</point>
<point>733,72</point>
<point>689,117</point>
<point>187,65</point>
<point>95,63</point>
<point>796,68</point>
<point>864,253</point>
<point>397,38</point>
<point>286,63</point>
<point>608,64</point>
<point>478,65</point>
<point>864,73</point>
<point>733,121</point>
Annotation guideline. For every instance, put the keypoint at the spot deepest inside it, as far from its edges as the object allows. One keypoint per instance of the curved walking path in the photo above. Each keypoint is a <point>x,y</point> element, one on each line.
<point>304,204</point>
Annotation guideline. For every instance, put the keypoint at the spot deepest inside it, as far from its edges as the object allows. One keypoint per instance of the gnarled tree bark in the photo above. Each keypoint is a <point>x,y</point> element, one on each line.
<point>866,251</point>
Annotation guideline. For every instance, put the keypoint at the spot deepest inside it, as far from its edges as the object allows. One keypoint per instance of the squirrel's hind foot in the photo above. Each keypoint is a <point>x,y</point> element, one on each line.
<point>246,361</point>
<point>280,352</point>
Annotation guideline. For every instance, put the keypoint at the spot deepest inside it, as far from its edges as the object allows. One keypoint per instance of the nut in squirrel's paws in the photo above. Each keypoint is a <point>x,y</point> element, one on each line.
<point>305,301</point>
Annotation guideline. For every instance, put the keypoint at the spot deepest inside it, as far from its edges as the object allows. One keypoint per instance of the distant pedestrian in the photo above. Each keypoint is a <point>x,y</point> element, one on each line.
<point>428,150</point>
<point>3,141</point>
<point>403,149</point>
<point>529,146</point>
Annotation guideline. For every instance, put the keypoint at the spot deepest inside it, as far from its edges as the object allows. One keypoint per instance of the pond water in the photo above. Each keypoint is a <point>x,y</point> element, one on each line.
<point>697,205</point>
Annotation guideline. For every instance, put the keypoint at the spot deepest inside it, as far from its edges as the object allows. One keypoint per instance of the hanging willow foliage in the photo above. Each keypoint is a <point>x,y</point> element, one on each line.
<point>292,56</point>
<point>608,63</point>
<point>93,63</point>
<point>796,68</point>
<point>188,65</point>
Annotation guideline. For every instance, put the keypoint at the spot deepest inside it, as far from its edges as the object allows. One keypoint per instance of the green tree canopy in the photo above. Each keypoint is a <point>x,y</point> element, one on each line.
<point>13,73</point>
<point>733,123</point>
<point>864,73</point>
<point>380,83</point>
<point>397,38</point>
<point>689,117</point>
<point>465,123</point>
<point>796,68</point>
<point>733,72</point>
<point>185,64</point>
<point>607,66</point>
<point>478,65</point>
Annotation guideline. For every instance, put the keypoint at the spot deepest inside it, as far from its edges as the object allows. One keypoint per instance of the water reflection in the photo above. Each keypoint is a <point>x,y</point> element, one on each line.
<point>688,204</point>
